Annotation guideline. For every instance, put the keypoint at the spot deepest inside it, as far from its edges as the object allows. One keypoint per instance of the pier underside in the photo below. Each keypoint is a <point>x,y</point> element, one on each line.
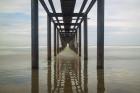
<point>67,28</point>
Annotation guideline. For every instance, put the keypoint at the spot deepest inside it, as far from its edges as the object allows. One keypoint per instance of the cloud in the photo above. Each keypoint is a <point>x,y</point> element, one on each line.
<point>13,6</point>
<point>121,20</point>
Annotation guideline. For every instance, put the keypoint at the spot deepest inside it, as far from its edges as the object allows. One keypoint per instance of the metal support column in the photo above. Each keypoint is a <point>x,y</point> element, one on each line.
<point>49,36</point>
<point>34,33</point>
<point>100,34</point>
<point>79,40</point>
<point>85,39</point>
<point>54,40</point>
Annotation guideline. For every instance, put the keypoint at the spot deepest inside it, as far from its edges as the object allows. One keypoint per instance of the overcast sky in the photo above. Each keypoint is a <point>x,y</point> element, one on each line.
<point>122,22</point>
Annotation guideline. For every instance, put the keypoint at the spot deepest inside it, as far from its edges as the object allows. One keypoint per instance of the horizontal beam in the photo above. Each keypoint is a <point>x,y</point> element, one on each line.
<point>70,19</point>
<point>62,15</point>
<point>66,29</point>
<point>68,32</point>
<point>67,24</point>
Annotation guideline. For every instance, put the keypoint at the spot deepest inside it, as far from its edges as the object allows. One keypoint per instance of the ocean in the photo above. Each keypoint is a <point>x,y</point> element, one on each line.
<point>70,75</point>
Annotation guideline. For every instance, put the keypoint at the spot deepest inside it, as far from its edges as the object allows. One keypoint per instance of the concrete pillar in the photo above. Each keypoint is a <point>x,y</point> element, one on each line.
<point>34,34</point>
<point>49,37</point>
<point>100,34</point>
<point>79,40</point>
<point>85,39</point>
<point>54,40</point>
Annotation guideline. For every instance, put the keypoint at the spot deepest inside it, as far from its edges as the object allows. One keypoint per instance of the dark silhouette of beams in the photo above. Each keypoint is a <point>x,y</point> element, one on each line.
<point>67,7</point>
<point>47,11</point>
<point>88,9</point>
<point>45,6</point>
<point>67,23</point>
<point>100,34</point>
<point>90,6</point>
<point>81,10</point>
<point>67,33</point>
<point>34,34</point>
<point>52,6</point>
<point>67,29</point>
<point>66,15</point>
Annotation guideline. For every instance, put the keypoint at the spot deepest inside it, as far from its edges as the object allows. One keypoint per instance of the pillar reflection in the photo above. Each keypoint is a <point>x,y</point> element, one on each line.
<point>35,81</point>
<point>49,78</point>
<point>100,81</point>
<point>67,76</point>
<point>85,76</point>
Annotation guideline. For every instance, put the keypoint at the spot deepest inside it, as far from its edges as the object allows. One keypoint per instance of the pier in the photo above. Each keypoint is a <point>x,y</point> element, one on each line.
<point>65,31</point>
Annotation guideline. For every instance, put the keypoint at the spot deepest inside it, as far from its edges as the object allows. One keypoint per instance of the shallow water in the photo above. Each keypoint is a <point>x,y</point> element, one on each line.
<point>67,73</point>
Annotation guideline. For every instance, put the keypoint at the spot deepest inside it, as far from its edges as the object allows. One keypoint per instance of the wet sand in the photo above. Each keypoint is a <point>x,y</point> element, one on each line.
<point>67,73</point>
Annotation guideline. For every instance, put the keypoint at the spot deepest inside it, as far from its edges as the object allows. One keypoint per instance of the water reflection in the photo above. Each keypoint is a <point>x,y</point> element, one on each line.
<point>49,77</point>
<point>35,81</point>
<point>68,76</point>
<point>100,81</point>
<point>85,76</point>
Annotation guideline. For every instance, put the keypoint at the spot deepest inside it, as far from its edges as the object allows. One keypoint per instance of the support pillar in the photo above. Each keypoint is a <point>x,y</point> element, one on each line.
<point>57,41</point>
<point>100,34</point>
<point>49,37</point>
<point>85,39</point>
<point>79,40</point>
<point>54,40</point>
<point>75,42</point>
<point>34,34</point>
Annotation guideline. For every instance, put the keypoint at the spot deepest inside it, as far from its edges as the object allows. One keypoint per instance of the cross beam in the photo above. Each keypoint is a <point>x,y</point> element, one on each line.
<point>67,23</point>
<point>65,15</point>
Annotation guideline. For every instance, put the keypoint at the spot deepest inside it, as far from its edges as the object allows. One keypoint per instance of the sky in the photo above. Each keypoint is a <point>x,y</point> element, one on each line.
<point>122,25</point>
